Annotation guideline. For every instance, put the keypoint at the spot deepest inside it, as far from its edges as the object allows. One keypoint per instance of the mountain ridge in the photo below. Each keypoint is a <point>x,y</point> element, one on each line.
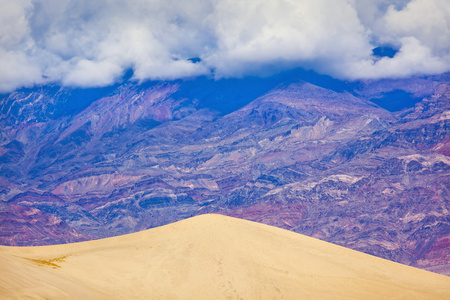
<point>323,163</point>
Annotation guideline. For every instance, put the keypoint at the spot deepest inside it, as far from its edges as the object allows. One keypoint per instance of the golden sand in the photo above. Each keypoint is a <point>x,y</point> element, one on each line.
<point>209,257</point>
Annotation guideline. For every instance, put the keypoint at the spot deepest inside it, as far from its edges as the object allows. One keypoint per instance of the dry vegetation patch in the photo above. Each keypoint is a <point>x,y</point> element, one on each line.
<point>49,262</point>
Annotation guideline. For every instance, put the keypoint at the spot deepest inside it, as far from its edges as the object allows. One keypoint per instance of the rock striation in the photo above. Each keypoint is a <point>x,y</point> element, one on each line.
<point>326,163</point>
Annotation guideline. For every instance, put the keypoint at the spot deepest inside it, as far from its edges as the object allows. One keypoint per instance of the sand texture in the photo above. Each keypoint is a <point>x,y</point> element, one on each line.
<point>209,257</point>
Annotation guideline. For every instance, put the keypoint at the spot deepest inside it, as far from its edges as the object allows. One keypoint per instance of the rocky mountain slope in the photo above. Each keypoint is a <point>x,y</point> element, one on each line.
<point>322,161</point>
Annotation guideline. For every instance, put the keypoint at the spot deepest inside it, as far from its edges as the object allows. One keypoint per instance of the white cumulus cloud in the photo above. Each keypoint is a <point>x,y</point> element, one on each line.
<point>89,43</point>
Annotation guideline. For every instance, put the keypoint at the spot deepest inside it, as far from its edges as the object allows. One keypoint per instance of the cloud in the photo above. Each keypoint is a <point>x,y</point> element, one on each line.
<point>310,33</point>
<point>93,43</point>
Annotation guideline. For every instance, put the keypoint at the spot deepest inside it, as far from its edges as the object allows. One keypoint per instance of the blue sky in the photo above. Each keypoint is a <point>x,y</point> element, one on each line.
<point>85,43</point>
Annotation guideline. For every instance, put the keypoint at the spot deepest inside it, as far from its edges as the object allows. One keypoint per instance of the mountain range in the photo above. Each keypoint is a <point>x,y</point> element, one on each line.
<point>364,165</point>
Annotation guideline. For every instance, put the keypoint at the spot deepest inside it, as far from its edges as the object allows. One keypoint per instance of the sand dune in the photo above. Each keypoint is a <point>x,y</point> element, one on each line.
<point>209,257</point>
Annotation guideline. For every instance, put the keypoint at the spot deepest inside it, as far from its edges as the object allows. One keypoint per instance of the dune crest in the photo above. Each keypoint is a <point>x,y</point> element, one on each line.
<point>209,257</point>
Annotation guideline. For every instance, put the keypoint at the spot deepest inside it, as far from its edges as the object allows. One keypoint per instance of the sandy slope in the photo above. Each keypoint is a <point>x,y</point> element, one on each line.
<point>210,257</point>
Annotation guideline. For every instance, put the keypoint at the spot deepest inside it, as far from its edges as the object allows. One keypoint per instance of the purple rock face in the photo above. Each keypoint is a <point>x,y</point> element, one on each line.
<point>327,164</point>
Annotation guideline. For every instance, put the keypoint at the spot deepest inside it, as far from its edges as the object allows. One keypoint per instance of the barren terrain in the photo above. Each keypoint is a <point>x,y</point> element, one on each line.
<point>209,257</point>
